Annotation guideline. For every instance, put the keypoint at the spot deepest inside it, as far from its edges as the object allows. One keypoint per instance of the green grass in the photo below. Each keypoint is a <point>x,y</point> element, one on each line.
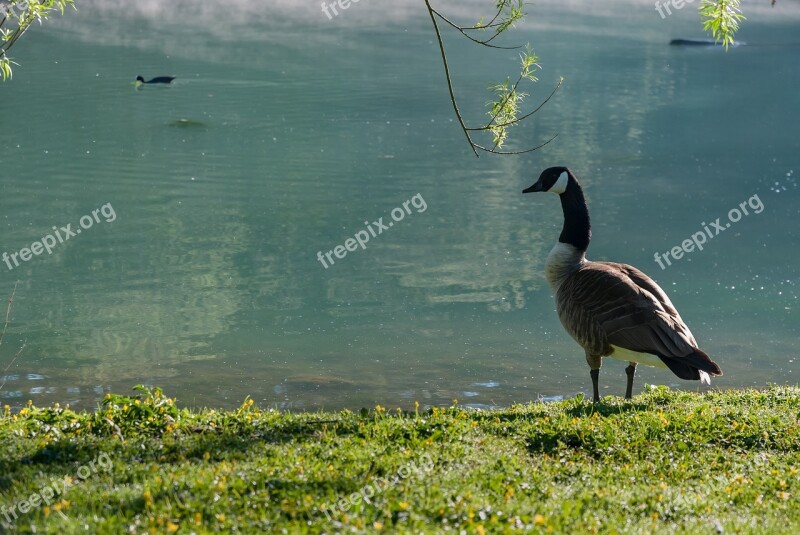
<point>664,462</point>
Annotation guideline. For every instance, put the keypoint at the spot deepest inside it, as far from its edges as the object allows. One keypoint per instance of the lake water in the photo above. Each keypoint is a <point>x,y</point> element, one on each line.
<point>285,132</point>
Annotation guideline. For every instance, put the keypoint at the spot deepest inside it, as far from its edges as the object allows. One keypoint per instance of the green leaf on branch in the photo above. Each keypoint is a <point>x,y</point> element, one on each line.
<point>19,15</point>
<point>721,18</point>
<point>504,110</point>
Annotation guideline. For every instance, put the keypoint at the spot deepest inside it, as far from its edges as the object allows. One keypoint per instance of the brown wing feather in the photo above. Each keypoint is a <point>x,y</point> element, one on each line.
<point>616,304</point>
<point>646,283</point>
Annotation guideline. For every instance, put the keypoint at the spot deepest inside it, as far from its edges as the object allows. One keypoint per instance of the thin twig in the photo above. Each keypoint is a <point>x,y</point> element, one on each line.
<point>505,101</point>
<point>491,23</point>
<point>492,151</point>
<point>3,335</point>
<point>515,121</point>
<point>447,75</point>
<point>13,360</point>
<point>463,31</point>
<point>8,313</point>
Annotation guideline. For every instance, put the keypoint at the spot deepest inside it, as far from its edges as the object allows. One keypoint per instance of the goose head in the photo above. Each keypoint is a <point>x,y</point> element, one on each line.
<point>577,230</point>
<point>552,180</point>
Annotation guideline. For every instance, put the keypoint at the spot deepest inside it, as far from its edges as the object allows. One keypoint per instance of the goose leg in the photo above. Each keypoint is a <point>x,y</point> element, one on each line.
<point>594,362</point>
<point>630,371</point>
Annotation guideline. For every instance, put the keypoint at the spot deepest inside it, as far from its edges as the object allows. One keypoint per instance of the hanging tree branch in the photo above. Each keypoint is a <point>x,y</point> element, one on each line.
<point>721,18</point>
<point>504,110</point>
<point>20,14</point>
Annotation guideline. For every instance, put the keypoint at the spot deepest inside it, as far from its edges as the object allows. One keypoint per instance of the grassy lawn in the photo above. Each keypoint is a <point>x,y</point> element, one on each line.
<point>664,462</point>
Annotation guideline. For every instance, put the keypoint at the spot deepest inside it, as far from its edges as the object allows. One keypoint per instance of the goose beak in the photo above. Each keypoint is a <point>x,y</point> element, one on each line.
<point>534,188</point>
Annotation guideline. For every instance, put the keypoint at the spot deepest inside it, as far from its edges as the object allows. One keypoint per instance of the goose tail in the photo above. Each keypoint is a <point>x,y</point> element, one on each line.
<point>695,366</point>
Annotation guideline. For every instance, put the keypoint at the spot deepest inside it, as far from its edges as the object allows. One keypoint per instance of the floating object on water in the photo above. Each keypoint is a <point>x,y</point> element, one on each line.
<point>701,42</point>
<point>188,123</point>
<point>157,80</point>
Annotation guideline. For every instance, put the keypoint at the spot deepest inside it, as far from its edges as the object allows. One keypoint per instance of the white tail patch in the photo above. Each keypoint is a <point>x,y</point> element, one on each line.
<point>634,356</point>
<point>704,377</point>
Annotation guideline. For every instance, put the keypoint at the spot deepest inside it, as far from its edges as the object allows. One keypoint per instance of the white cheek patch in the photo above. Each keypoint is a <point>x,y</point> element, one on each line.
<point>561,184</point>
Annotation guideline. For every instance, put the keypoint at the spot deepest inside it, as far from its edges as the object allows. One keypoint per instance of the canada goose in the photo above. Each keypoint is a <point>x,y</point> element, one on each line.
<point>610,309</point>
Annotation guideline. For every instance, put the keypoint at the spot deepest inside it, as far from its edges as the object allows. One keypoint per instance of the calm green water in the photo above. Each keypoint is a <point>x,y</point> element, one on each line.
<point>284,132</point>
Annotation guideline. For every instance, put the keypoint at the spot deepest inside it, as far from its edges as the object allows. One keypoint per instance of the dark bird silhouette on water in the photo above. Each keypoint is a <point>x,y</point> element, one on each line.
<point>157,80</point>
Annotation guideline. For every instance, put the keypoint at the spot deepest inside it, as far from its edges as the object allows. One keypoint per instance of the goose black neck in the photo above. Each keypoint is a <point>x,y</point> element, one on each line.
<point>577,229</point>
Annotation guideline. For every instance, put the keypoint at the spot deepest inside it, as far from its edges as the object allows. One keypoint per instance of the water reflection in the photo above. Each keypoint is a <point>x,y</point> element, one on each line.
<point>279,139</point>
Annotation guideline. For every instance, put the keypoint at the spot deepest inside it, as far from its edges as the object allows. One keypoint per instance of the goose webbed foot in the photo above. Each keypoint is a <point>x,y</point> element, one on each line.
<point>630,371</point>
<point>595,374</point>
